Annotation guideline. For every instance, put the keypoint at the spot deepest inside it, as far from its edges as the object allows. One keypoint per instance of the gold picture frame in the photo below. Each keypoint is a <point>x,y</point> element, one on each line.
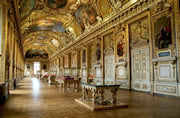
<point>162,31</point>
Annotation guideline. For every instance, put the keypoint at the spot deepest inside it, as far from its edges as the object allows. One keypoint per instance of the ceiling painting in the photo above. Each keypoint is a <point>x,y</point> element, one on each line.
<point>47,25</point>
<point>85,16</point>
<point>56,3</point>
<point>37,54</point>
<point>26,6</point>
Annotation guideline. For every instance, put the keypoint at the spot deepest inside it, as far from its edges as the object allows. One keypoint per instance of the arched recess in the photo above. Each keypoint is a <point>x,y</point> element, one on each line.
<point>40,44</point>
<point>50,52</point>
<point>48,34</point>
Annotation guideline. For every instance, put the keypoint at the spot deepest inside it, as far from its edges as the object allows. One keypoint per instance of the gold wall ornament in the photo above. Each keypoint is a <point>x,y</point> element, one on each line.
<point>84,1</point>
<point>108,43</point>
<point>165,4</point>
<point>73,7</point>
<point>74,29</point>
<point>117,4</point>
<point>104,8</point>
<point>139,32</point>
<point>56,4</point>
<point>39,5</point>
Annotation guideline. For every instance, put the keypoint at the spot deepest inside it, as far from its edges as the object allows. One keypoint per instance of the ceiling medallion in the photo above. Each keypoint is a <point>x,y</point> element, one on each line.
<point>56,3</point>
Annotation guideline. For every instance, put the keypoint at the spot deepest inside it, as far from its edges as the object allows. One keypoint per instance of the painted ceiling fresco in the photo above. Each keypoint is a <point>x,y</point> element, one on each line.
<point>56,3</point>
<point>37,54</point>
<point>53,24</point>
<point>47,25</point>
<point>85,15</point>
<point>26,6</point>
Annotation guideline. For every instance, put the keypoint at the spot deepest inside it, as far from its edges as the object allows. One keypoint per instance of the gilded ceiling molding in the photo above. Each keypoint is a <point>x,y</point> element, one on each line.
<point>74,29</point>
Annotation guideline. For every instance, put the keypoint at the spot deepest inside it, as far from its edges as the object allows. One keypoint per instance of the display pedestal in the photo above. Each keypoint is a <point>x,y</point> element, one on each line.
<point>98,101</point>
<point>95,107</point>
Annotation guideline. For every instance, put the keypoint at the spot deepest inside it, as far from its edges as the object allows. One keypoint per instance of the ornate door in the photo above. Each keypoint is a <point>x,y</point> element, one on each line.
<point>109,70</point>
<point>140,69</point>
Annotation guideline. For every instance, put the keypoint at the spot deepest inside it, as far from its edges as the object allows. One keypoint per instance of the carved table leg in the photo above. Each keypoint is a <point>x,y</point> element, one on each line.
<point>94,95</point>
<point>64,87</point>
<point>74,86</point>
<point>78,86</point>
<point>69,85</point>
<point>114,91</point>
<point>101,91</point>
<point>84,93</point>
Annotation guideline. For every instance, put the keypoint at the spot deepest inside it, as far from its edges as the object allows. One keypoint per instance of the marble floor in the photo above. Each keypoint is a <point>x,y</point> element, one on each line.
<point>36,99</point>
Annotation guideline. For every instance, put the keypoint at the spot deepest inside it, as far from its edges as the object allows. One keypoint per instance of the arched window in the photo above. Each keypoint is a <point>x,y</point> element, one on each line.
<point>37,67</point>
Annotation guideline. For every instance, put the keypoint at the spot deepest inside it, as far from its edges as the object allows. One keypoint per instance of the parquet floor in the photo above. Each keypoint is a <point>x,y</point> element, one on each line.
<point>36,99</point>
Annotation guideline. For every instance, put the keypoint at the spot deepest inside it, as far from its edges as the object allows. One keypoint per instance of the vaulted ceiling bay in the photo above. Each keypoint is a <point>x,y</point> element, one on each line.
<point>51,25</point>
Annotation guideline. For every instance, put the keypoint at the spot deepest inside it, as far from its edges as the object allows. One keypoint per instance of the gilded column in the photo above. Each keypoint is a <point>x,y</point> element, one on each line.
<point>177,33</point>
<point>11,59</point>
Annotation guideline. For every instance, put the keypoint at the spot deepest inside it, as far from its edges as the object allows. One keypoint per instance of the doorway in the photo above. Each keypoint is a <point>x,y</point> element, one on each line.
<point>37,67</point>
<point>140,74</point>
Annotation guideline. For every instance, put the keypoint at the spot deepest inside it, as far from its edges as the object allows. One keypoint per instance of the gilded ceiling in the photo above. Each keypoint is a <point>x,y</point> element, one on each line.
<point>50,25</point>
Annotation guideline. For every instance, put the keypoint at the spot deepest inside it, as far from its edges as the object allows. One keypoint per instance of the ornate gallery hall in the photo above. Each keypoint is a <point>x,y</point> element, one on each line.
<point>89,58</point>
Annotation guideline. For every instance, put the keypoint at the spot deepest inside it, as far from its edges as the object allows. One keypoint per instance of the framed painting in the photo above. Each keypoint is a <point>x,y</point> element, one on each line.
<point>120,45</point>
<point>162,31</point>
<point>98,49</point>
<point>84,56</point>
